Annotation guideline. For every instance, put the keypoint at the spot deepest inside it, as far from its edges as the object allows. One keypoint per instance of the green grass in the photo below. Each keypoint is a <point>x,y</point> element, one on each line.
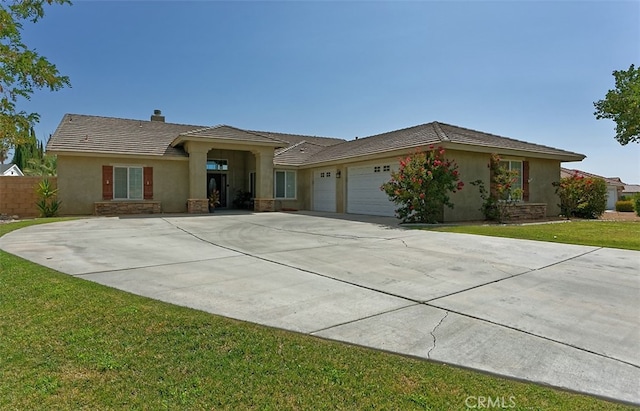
<point>66,343</point>
<point>596,233</point>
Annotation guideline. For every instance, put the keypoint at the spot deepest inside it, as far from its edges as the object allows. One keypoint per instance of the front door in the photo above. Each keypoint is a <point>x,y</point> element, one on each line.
<point>218,181</point>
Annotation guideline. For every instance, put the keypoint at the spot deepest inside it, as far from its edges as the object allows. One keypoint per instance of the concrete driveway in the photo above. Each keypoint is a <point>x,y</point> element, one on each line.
<point>563,315</point>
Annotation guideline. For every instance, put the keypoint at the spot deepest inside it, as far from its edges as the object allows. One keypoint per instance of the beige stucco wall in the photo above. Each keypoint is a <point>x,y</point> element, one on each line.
<point>471,166</point>
<point>80,182</point>
<point>303,191</point>
<point>542,174</point>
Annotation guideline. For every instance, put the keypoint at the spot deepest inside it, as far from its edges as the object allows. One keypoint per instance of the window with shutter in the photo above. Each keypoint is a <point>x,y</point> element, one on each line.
<point>107,182</point>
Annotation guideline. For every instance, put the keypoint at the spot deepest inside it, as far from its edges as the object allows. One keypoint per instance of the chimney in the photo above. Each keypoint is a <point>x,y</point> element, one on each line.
<point>157,116</point>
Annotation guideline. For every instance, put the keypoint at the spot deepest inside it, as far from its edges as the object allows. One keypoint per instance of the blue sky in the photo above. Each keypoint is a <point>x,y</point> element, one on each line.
<point>526,70</point>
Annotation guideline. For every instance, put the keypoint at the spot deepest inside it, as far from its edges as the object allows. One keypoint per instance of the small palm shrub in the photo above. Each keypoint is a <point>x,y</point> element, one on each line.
<point>47,203</point>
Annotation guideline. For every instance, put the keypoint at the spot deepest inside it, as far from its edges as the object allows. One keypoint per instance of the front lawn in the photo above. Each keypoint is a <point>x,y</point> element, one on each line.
<point>597,233</point>
<point>67,343</point>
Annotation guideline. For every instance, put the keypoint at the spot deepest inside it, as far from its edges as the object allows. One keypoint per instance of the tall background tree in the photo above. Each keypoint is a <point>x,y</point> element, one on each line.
<point>22,71</point>
<point>622,105</point>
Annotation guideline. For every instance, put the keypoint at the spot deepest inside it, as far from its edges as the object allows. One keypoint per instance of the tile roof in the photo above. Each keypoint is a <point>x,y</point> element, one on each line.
<point>297,154</point>
<point>612,181</point>
<point>225,132</point>
<point>107,135</point>
<point>432,133</point>
<point>94,134</point>
<point>297,138</point>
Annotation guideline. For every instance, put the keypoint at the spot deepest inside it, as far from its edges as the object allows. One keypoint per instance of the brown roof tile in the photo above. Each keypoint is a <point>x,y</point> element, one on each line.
<point>297,138</point>
<point>225,132</point>
<point>296,154</point>
<point>612,181</point>
<point>427,134</point>
<point>94,134</point>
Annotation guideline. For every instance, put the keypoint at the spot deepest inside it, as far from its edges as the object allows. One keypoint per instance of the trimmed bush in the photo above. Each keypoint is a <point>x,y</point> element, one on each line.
<point>625,206</point>
<point>636,203</point>
<point>421,187</point>
<point>581,197</point>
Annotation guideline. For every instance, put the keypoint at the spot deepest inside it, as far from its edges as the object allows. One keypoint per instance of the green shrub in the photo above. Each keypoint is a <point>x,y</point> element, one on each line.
<point>421,187</point>
<point>625,206</point>
<point>47,203</point>
<point>581,197</point>
<point>636,203</point>
<point>502,193</point>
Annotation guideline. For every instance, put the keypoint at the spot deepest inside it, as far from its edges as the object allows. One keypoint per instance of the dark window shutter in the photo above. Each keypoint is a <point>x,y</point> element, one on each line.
<point>107,182</point>
<point>525,181</point>
<point>148,183</point>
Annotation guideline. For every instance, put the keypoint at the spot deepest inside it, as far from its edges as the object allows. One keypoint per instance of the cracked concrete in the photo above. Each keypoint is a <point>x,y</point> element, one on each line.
<point>433,333</point>
<point>562,315</point>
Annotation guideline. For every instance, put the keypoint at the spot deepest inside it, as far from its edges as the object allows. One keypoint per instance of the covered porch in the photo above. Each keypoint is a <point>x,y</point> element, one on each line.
<point>226,159</point>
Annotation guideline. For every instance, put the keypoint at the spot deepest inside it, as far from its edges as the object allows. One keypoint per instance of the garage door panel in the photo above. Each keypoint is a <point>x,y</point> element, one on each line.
<point>324,190</point>
<point>363,190</point>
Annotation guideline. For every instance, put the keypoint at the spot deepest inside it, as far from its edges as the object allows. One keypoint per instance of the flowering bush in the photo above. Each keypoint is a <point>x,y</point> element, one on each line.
<point>502,193</point>
<point>422,185</point>
<point>581,197</point>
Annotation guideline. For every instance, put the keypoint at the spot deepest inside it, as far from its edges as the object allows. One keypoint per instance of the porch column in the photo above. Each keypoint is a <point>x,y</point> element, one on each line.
<point>197,202</point>
<point>263,200</point>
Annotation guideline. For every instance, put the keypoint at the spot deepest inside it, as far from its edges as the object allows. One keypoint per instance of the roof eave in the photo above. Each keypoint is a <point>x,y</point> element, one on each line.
<point>94,153</point>
<point>181,139</point>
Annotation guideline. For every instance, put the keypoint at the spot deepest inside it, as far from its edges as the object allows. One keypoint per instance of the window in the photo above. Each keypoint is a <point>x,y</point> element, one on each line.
<point>376,169</point>
<point>515,166</point>
<point>285,184</point>
<point>386,168</point>
<point>217,165</point>
<point>127,183</point>
<point>328,173</point>
<point>321,175</point>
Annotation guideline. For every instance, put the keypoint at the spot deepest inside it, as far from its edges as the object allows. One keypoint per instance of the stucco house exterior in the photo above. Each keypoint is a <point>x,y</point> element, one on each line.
<point>117,166</point>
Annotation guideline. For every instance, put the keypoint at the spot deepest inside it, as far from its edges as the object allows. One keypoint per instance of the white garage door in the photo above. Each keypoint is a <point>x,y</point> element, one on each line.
<point>363,190</point>
<point>612,197</point>
<point>324,190</point>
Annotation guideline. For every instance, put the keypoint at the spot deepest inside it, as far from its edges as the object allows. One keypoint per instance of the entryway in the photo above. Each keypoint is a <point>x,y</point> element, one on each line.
<point>217,181</point>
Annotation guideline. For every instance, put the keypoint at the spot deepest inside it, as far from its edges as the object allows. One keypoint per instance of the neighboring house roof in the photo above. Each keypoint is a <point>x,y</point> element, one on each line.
<point>610,181</point>
<point>631,188</point>
<point>10,170</point>
<point>435,133</point>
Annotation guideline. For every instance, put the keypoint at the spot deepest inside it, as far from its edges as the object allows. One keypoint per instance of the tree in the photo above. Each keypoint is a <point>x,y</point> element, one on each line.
<point>27,150</point>
<point>622,105</point>
<point>422,185</point>
<point>22,70</point>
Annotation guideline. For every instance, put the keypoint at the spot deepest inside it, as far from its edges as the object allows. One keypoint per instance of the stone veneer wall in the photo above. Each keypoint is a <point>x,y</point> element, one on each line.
<point>263,204</point>
<point>197,206</point>
<point>527,211</point>
<point>126,207</point>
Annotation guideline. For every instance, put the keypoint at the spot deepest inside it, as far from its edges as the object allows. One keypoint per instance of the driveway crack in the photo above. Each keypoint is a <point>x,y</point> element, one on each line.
<point>433,334</point>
